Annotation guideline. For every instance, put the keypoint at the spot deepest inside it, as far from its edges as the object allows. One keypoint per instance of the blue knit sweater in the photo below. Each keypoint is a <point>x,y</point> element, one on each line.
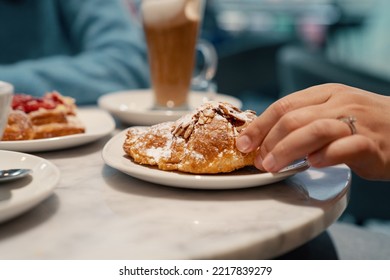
<point>81,48</point>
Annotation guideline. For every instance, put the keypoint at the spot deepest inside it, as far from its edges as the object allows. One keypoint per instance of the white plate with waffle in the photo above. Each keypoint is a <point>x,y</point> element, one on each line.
<point>98,123</point>
<point>135,107</point>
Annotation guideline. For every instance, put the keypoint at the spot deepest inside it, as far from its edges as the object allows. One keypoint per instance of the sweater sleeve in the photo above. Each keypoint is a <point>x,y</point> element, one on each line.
<point>109,54</point>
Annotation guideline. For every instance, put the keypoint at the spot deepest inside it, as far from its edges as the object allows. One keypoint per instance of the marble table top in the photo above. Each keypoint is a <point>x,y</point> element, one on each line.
<point>97,212</point>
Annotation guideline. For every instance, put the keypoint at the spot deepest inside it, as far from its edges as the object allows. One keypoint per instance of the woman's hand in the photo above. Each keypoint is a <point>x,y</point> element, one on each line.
<point>307,124</point>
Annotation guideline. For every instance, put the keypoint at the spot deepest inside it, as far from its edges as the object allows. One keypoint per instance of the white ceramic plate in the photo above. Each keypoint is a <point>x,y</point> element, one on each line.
<point>98,124</point>
<point>135,106</point>
<point>114,156</point>
<point>18,196</point>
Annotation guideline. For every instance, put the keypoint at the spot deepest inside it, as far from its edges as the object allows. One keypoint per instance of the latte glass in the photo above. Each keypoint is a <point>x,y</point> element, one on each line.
<point>171,29</point>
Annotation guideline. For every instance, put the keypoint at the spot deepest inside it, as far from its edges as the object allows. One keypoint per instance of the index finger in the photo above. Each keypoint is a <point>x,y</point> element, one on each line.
<point>254,134</point>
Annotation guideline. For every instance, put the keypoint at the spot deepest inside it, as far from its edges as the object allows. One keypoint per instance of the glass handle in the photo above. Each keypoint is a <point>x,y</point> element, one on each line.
<point>203,80</point>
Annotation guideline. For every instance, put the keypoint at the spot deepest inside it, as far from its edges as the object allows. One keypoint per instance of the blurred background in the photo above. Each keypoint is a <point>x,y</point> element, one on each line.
<point>259,41</point>
<point>269,48</point>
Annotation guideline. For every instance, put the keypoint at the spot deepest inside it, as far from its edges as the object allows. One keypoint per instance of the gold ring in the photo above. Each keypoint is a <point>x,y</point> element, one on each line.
<point>350,121</point>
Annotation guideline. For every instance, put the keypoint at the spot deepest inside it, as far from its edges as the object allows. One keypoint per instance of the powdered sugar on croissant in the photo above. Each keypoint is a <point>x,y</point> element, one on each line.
<point>200,142</point>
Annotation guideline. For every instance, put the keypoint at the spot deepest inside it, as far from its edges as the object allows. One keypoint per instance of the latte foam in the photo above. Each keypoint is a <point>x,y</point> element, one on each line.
<point>170,12</point>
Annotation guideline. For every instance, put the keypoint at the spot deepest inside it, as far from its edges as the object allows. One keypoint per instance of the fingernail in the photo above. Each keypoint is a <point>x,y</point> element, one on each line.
<point>269,162</point>
<point>243,144</point>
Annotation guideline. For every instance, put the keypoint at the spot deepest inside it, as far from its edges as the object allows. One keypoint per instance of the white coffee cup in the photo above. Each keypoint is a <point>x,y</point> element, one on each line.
<point>6,92</point>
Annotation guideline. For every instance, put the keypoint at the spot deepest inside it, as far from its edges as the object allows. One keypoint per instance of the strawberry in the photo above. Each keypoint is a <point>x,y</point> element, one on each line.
<point>28,103</point>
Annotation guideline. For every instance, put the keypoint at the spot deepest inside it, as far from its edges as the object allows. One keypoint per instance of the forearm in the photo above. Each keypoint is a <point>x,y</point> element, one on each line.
<point>102,51</point>
<point>84,77</point>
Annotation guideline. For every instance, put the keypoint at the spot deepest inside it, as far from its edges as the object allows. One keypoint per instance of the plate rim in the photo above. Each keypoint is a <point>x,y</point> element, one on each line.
<point>180,180</point>
<point>143,117</point>
<point>40,145</point>
<point>11,210</point>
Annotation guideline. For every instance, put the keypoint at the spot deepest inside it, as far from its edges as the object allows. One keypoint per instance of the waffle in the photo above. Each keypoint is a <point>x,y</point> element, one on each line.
<point>19,127</point>
<point>52,115</point>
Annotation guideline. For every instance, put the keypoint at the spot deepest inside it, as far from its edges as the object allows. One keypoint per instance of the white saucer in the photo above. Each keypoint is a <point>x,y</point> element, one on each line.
<point>135,106</point>
<point>98,123</point>
<point>16,197</point>
<point>114,156</point>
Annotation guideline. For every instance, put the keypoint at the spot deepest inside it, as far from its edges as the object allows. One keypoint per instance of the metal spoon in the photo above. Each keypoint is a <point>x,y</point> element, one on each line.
<point>301,165</point>
<point>13,174</point>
